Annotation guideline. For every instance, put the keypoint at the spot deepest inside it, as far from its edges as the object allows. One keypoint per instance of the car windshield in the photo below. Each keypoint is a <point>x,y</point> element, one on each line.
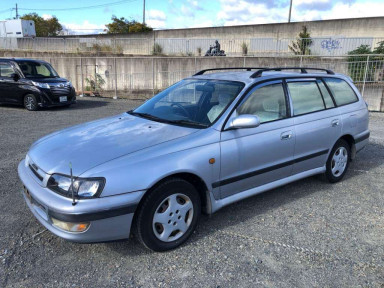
<point>33,69</point>
<point>190,102</point>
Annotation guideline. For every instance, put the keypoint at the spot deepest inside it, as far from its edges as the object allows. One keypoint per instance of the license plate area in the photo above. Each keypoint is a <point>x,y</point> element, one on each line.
<point>63,99</point>
<point>40,209</point>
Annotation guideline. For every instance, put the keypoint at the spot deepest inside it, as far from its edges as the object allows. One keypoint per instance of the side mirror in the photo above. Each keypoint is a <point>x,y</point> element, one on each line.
<point>244,121</point>
<point>15,77</point>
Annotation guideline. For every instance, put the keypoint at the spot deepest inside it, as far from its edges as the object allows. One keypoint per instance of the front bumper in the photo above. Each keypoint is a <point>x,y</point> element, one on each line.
<point>110,217</point>
<point>49,98</point>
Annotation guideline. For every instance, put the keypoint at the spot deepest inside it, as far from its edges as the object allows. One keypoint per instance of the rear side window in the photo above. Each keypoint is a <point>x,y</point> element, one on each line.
<point>267,102</point>
<point>306,97</point>
<point>326,96</point>
<point>6,70</point>
<point>341,91</point>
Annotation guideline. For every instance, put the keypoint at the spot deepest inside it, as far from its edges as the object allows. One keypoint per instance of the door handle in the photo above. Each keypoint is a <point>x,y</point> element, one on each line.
<point>335,122</point>
<point>286,135</point>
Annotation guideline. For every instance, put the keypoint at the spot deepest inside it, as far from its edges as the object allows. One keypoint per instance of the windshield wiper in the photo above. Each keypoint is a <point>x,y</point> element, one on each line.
<point>188,122</point>
<point>147,116</point>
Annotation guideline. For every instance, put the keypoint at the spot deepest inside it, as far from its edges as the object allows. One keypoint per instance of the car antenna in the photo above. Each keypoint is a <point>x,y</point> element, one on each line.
<point>73,192</point>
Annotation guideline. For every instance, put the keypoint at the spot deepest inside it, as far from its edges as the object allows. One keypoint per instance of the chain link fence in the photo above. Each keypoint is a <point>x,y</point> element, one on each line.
<point>142,77</point>
<point>325,46</point>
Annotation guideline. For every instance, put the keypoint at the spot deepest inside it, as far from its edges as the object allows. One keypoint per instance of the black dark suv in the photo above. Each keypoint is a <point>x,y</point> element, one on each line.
<point>34,84</point>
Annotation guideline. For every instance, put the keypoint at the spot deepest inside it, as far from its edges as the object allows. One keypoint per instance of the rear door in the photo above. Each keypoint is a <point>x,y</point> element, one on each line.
<point>251,157</point>
<point>317,123</point>
<point>9,88</point>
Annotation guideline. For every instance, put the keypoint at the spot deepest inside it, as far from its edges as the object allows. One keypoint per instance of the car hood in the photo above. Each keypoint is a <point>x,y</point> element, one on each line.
<point>94,143</point>
<point>47,80</point>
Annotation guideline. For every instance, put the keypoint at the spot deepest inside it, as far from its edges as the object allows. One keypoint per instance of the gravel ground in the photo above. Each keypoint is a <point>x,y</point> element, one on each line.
<point>305,234</point>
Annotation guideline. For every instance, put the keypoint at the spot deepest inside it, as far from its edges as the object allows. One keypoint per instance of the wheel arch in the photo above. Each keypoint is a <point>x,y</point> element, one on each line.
<point>192,178</point>
<point>351,142</point>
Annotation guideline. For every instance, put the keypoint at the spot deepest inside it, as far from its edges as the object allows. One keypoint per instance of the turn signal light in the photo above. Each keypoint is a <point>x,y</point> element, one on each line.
<point>70,227</point>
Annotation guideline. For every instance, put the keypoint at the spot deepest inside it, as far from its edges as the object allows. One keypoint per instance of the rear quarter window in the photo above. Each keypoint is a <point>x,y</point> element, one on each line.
<point>306,97</point>
<point>342,92</point>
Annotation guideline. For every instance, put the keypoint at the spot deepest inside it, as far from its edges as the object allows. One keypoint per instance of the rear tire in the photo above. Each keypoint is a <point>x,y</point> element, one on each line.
<point>338,161</point>
<point>30,102</point>
<point>168,215</point>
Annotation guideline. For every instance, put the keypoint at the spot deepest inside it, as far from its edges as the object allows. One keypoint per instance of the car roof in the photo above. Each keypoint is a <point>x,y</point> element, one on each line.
<point>23,60</point>
<point>246,76</point>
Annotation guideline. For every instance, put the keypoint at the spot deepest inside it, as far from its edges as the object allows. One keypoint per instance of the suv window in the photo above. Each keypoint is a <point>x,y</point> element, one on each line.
<point>341,91</point>
<point>6,70</point>
<point>267,102</point>
<point>306,97</point>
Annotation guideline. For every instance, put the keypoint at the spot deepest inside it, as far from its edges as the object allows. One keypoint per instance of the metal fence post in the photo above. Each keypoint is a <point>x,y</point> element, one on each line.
<point>153,76</point>
<point>115,97</point>
<point>365,76</point>
<point>82,77</point>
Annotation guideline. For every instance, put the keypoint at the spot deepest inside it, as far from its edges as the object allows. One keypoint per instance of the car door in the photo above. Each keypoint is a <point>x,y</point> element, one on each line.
<point>9,88</point>
<point>251,157</point>
<point>317,123</point>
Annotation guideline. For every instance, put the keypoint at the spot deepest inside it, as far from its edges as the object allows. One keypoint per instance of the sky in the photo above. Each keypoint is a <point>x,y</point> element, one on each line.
<point>170,14</point>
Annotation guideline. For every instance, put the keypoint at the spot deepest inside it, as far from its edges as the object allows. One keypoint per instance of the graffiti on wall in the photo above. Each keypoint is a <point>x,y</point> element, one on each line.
<point>330,44</point>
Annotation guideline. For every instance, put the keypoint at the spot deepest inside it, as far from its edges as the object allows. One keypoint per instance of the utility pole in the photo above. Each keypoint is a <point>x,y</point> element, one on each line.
<point>17,12</point>
<point>290,10</point>
<point>144,12</point>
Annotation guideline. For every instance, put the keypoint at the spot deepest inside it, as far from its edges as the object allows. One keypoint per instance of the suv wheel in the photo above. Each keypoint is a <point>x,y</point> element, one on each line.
<point>168,215</point>
<point>338,161</point>
<point>30,102</point>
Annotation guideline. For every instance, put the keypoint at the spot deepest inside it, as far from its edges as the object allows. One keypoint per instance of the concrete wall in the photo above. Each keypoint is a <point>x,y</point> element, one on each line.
<point>357,27</point>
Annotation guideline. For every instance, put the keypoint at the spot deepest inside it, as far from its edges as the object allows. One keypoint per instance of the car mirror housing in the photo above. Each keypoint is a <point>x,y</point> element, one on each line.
<point>15,77</point>
<point>244,121</point>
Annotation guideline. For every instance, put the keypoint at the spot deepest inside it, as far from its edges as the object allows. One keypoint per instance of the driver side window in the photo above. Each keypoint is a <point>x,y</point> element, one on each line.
<point>267,102</point>
<point>6,70</point>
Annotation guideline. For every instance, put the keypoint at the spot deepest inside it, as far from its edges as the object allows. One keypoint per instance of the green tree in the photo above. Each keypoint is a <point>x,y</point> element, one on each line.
<point>124,26</point>
<point>44,27</point>
<point>302,44</point>
<point>379,49</point>
<point>357,63</point>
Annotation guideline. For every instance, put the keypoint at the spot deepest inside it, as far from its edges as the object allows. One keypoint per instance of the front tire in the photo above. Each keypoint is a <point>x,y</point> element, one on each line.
<point>169,215</point>
<point>30,102</point>
<point>338,161</point>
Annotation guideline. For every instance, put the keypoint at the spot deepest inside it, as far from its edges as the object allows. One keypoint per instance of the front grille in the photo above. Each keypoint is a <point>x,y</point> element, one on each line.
<point>60,91</point>
<point>35,172</point>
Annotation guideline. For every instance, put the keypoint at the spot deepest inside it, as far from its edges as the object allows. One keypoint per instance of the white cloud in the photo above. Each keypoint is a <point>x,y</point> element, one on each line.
<point>85,28</point>
<point>47,16</point>
<point>242,12</point>
<point>156,18</point>
<point>367,9</point>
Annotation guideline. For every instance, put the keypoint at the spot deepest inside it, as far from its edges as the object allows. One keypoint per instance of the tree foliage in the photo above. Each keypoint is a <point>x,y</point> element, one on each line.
<point>44,27</point>
<point>302,44</point>
<point>124,26</point>
<point>358,58</point>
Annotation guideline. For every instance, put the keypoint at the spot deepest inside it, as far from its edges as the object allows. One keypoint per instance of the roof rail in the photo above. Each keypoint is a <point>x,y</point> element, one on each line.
<point>302,69</point>
<point>230,68</point>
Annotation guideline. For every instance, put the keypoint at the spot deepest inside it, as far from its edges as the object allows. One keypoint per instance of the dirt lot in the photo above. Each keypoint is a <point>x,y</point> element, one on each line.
<point>306,234</point>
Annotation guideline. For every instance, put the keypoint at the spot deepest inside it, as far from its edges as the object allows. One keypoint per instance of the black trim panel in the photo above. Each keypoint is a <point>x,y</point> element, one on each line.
<point>85,217</point>
<point>362,138</point>
<point>267,169</point>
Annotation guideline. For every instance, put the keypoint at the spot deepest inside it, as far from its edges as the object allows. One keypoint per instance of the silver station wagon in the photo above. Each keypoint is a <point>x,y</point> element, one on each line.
<point>205,142</point>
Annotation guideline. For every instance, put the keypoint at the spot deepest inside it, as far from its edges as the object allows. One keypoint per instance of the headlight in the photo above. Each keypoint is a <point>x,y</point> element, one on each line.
<point>69,84</point>
<point>41,85</point>
<point>82,187</point>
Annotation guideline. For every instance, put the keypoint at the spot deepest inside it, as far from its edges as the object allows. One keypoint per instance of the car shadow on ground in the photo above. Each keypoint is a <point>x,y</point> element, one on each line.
<point>234,214</point>
<point>81,104</point>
